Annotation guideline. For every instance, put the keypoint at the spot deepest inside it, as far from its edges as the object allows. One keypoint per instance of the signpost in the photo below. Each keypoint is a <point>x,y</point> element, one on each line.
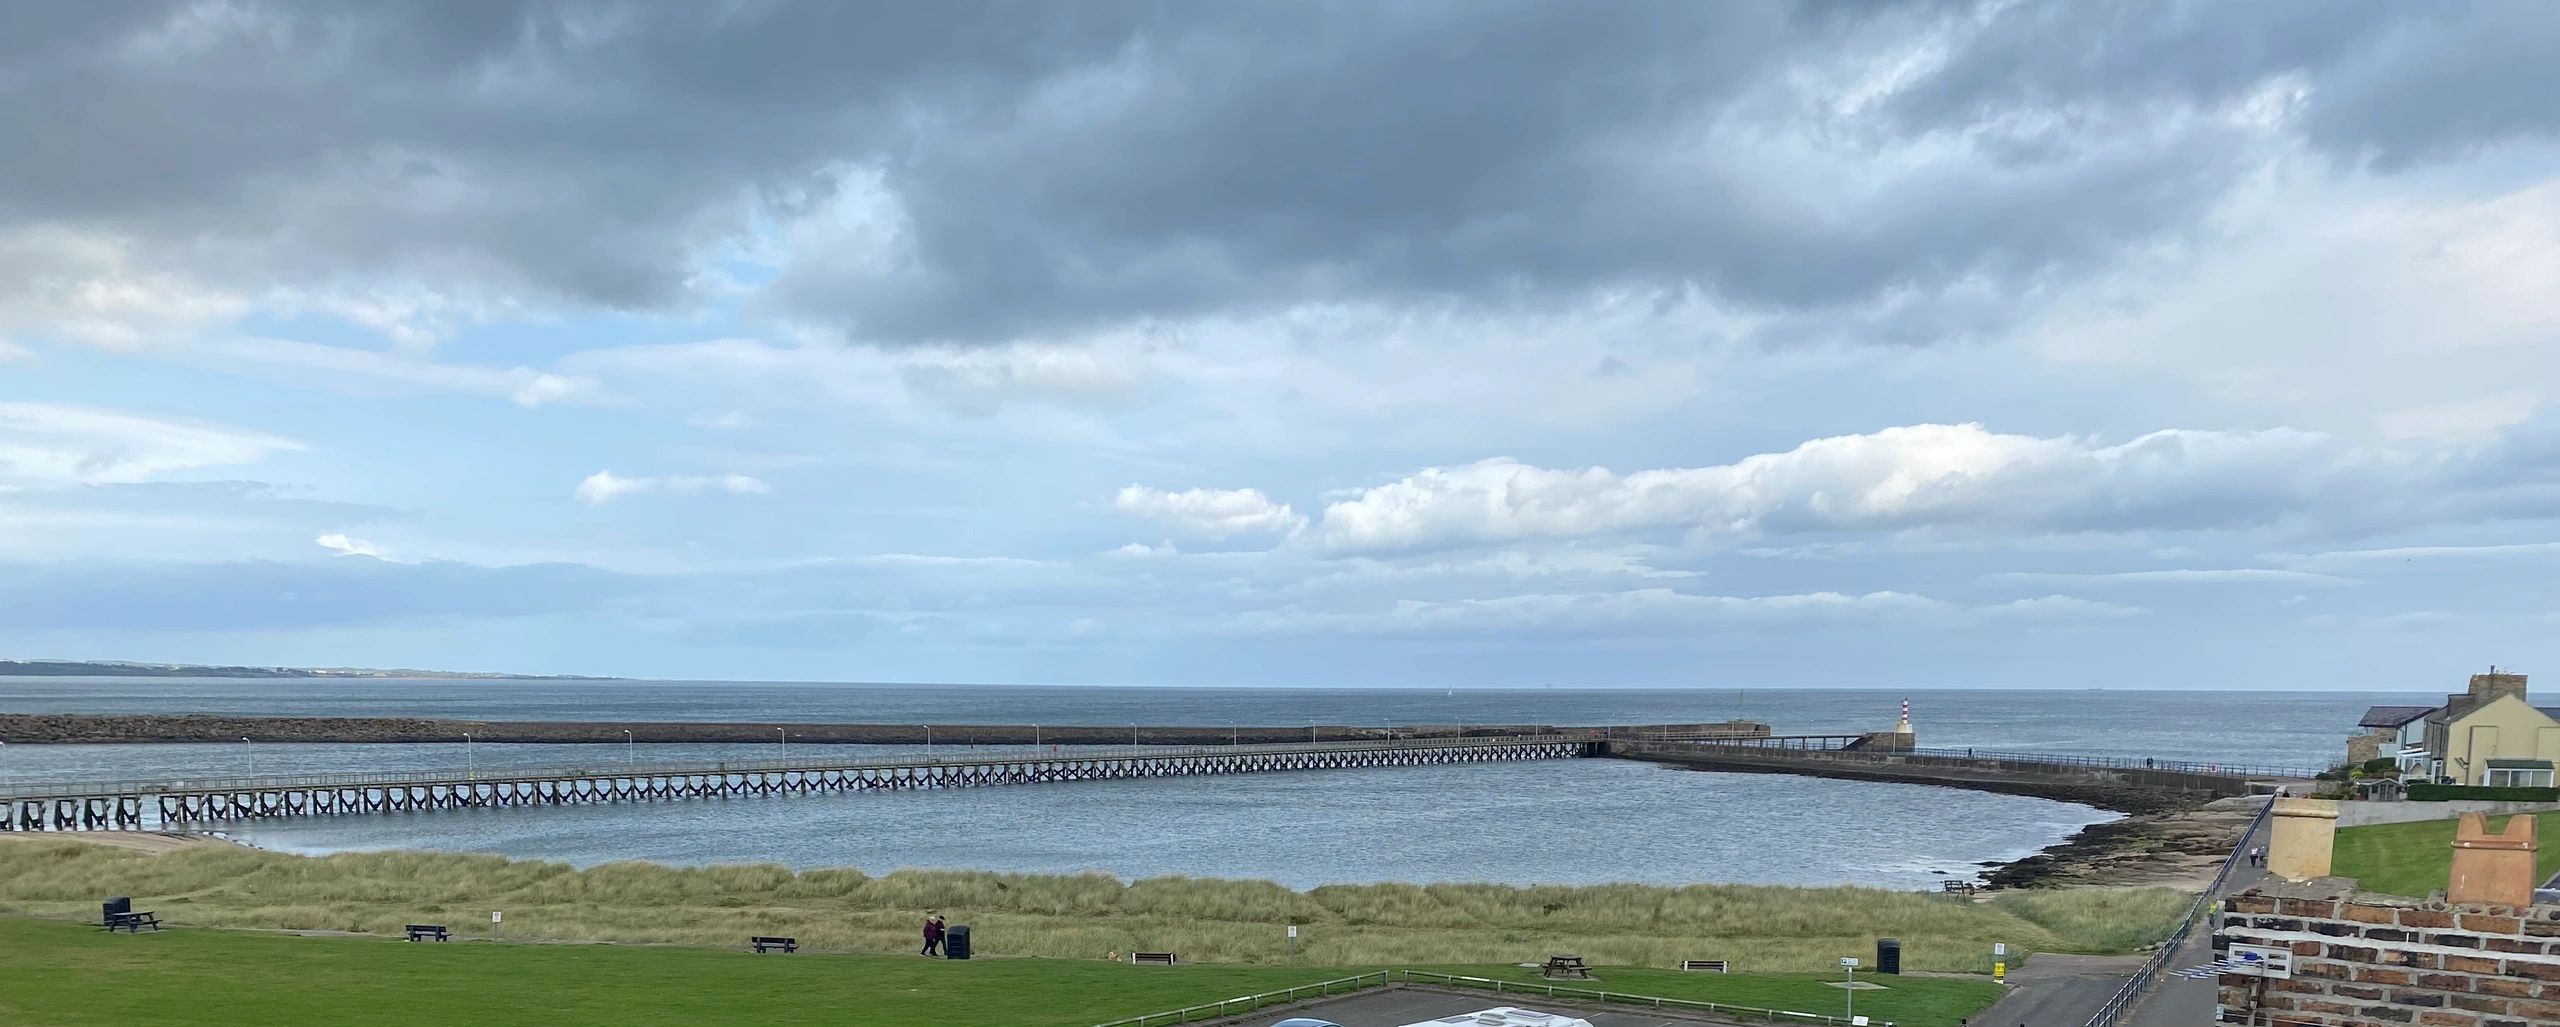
<point>2273,961</point>
<point>1293,940</point>
<point>1999,962</point>
<point>495,918</point>
<point>1849,965</point>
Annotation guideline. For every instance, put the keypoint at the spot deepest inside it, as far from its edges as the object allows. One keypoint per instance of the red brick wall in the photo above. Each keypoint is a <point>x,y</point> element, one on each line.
<point>2360,961</point>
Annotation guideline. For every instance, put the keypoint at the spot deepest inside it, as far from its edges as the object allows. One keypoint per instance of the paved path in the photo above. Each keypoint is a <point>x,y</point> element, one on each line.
<point>1393,1007</point>
<point>2188,1000</point>
<point>2065,991</point>
<point>2060,990</point>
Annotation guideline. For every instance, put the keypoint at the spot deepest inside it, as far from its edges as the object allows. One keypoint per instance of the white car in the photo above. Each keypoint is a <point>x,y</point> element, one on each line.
<point>1505,1016</point>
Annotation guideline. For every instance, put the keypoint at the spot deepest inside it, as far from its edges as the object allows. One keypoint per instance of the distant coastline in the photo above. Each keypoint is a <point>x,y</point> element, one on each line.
<point>120,669</point>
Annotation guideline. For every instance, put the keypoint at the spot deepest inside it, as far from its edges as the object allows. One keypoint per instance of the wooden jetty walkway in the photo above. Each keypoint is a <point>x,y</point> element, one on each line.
<point>156,805</point>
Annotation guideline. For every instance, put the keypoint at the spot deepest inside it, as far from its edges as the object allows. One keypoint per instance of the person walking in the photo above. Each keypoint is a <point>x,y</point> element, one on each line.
<point>932,935</point>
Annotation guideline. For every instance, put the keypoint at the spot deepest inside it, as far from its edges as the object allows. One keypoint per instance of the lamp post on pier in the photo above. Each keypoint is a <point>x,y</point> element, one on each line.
<point>630,753</point>
<point>252,749</point>
<point>783,743</point>
<point>1035,738</point>
<point>470,759</point>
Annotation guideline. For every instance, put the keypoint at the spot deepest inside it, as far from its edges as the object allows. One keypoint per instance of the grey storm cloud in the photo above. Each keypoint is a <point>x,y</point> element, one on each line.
<point>1053,167</point>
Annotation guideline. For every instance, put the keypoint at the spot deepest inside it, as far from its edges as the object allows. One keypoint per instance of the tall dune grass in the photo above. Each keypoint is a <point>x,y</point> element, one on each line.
<point>1080,915</point>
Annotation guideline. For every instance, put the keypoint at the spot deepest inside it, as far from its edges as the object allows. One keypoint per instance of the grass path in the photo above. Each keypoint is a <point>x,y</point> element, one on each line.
<point>2415,859</point>
<point>1075,916</point>
<point>71,975</point>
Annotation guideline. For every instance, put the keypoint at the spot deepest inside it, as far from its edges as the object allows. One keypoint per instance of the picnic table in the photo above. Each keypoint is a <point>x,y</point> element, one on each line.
<point>1567,967</point>
<point>132,922</point>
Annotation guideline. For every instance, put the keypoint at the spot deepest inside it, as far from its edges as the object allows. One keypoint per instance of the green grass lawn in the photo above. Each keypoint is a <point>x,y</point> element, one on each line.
<point>66,975</point>
<point>1907,1001</point>
<point>2415,859</point>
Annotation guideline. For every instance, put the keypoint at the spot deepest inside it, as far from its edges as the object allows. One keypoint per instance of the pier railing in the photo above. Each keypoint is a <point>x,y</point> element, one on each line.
<point>2122,1001</point>
<point>610,770</point>
<point>1797,744</point>
<point>1243,1004</point>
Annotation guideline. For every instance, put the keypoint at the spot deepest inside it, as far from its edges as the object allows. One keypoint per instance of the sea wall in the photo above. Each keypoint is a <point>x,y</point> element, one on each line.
<point>2123,790</point>
<point>20,729</point>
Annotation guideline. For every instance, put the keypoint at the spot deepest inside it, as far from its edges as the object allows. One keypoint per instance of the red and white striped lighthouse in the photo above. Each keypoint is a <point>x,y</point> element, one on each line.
<point>1904,728</point>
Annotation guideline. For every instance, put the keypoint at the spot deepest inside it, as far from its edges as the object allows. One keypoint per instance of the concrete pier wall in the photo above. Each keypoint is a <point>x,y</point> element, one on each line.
<point>2123,790</point>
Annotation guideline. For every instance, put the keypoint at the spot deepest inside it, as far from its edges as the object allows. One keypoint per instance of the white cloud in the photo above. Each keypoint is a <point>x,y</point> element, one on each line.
<point>340,367</point>
<point>1215,513</point>
<point>60,442</point>
<point>10,351</point>
<point>346,545</point>
<point>1908,477</point>
<point>936,560</point>
<point>1658,610</point>
<point>2405,307</point>
<point>1142,551</point>
<point>730,420</point>
<point>2348,559</point>
<point>2195,576</point>
<point>605,486</point>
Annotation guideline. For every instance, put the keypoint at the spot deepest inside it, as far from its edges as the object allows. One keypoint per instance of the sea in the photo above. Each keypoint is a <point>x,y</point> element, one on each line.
<point>1552,822</point>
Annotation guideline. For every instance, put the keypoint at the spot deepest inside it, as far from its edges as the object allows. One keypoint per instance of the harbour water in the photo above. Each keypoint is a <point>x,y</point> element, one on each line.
<point>1574,821</point>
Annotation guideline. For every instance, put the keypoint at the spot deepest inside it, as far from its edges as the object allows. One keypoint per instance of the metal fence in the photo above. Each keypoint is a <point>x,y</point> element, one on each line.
<point>1793,745</point>
<point>614,770</point>
<point>1243,1004</point>
<point>2122,1001</point>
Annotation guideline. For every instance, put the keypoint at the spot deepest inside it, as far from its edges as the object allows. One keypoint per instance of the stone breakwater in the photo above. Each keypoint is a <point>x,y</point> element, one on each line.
<point>19,729</point>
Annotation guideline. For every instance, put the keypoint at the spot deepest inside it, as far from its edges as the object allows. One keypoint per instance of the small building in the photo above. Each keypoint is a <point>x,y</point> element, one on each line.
<point>2487,734</point>
<point>2399,732</point>
<point>2503,743</point>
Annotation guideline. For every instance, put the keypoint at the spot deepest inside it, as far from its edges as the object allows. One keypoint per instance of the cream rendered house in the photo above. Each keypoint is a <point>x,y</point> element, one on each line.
<point>2504,742</point>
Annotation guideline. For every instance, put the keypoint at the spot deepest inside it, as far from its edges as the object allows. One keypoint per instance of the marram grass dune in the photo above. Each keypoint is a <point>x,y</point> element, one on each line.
<point>1076,916</point>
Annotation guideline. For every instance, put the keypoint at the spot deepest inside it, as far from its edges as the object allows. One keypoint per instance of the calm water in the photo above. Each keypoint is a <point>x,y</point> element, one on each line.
<point>1574,821</point>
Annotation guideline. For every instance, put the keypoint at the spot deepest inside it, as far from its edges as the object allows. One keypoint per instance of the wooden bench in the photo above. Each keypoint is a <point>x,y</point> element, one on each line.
<point>1568,967</point>
<point>764,944</point>
<point>1158,958</point>
<point>1708,965</point>
<point>132,922</point>
<point>1960,887</point>
<point>419,932</point>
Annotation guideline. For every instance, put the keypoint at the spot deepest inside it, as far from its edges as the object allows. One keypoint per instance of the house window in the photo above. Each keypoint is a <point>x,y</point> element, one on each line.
<point>2519,774</point>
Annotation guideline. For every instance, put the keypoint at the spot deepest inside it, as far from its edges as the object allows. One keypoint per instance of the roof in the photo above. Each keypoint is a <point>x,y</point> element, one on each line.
<point>2393,716</point>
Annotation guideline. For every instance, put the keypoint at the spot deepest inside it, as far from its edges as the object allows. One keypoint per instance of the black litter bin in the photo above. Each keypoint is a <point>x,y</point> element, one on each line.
<point>1888,956</point>
<point>955,942</point>
<point>115,907</point>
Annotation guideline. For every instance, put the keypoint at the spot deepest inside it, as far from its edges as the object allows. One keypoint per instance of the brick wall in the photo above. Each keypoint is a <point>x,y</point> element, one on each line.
<point>2360,960</point>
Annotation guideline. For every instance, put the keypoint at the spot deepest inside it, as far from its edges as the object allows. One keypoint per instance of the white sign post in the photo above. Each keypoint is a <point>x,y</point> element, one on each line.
<point>495,918</point>
<point>2274,961</point>
<point>1849,965</point>
<point>1293,939</point>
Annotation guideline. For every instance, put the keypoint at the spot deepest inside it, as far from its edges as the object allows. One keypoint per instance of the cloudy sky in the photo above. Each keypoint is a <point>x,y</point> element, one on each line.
<point>2006,344</point>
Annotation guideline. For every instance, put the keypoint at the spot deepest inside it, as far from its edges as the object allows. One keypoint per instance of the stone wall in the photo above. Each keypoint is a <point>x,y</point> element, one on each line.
<point>2369,960</point>
<point>2368,746</point>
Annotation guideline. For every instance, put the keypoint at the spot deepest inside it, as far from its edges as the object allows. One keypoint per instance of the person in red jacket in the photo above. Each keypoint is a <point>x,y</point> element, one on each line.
<point>932,934</point>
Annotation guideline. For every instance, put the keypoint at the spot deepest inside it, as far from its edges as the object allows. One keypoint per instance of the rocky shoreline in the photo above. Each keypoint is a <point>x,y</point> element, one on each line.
<point>2178,849</point>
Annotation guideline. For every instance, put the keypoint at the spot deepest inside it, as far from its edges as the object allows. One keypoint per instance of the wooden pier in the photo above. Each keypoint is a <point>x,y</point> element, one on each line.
<point>113,806</point>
